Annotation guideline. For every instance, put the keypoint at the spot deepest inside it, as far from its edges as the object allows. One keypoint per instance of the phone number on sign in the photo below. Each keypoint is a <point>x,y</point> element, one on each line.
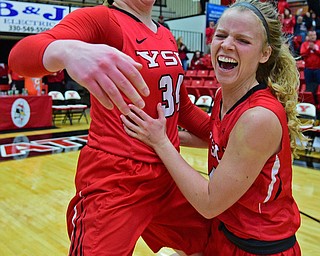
<point>26,29</point>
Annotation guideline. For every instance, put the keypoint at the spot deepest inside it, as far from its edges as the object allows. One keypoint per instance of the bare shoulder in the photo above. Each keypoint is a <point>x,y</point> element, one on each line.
<point>259,116</point>
<point>259,129</point>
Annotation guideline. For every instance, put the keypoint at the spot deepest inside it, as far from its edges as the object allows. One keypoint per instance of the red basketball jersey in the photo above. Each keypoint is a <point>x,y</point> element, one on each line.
<point>267,211</point>
<point>162,72</point>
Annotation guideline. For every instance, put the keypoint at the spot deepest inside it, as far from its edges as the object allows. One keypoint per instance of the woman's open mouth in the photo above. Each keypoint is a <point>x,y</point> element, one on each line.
<point>227,63</point>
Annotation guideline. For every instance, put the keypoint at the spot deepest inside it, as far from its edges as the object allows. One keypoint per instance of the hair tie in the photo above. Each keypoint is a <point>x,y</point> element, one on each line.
<point>258,13</point>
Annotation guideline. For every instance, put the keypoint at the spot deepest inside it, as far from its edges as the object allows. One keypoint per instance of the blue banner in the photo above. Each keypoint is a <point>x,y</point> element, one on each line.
<point>214,12</point>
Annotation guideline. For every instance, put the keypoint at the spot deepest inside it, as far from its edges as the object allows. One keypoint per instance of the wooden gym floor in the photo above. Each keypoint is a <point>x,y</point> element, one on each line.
<point>37,184</point>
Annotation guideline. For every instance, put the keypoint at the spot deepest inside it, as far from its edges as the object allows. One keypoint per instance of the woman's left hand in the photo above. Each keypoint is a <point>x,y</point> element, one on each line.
<point>138,124</point>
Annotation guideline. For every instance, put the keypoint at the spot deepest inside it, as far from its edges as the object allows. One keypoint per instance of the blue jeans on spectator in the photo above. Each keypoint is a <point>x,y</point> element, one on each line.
<point>184,64</point>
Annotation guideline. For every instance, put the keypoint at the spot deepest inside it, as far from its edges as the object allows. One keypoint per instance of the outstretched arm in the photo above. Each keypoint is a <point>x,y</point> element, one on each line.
<point>102,69</point>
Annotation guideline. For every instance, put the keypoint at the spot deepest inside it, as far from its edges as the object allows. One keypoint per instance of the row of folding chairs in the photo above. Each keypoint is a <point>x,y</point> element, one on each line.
<point>199,75</point>
<point>67,107</point>
<point>307,113</point>
<point>201,87</point>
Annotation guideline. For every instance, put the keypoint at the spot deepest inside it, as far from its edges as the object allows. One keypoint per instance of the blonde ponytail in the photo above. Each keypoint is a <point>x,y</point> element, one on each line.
<point>284,83</point>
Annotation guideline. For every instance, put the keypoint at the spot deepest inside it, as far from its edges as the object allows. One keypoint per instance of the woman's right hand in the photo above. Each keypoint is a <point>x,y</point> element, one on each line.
<point>103,70</point>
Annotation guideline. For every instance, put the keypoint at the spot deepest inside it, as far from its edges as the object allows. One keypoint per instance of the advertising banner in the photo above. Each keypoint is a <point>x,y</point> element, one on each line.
<point>214,12</point>
<point>31,18</point>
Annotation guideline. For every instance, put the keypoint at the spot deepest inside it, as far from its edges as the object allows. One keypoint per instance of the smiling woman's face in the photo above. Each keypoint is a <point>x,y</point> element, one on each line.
<point>236,48</point>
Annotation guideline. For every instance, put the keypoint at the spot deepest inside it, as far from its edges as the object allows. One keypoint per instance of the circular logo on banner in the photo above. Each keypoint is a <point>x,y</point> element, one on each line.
<point>20,112</point>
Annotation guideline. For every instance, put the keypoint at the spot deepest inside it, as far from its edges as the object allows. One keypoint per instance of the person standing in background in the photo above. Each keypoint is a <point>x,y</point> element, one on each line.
<point>183,50</point>
<point>16,81</point>
<point>300,28</point>
<point>162,22</point>
<point>209,35</point>
<point>288,22</point>
<point>310,53</point>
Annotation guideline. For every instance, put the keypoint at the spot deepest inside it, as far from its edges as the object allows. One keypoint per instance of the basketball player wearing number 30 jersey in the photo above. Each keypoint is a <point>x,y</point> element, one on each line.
<point>123,191</point>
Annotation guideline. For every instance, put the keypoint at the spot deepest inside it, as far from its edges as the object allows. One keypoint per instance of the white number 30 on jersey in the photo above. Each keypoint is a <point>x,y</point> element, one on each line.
<point>170,98</point>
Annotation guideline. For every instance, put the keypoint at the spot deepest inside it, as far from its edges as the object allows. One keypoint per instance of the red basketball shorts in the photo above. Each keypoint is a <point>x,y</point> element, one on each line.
<point>118,200</point>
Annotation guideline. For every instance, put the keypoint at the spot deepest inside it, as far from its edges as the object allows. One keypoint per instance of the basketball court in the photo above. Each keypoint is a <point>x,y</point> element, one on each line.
<point>37,171</point>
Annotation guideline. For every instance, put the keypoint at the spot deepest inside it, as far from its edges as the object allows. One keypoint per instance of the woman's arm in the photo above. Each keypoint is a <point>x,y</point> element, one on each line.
<point>255,137</point>
<point>102,69</point>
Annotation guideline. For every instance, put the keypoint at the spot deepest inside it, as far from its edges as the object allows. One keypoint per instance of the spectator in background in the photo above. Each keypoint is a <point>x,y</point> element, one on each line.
<point>316,23</point>
<point>183,50</point>
<point>206,60</point>
<point>197,61</point>
<point>15,81</point>
<point>282,5</point>
<point>4,73</point>
<point>300,32</point>
<point>55,81</point>
<point>310,52</point>
<point>288,23</point>
<point>308,20</point>
<point>209,35</point>
<point>162,22</point>
<point>300,28</point>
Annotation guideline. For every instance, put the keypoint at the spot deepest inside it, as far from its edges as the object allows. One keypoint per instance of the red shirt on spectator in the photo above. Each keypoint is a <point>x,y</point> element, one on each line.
<point>282,4</point>
<point>311,55</point>
<point>3,70</point>
<point>288,23</point>
<point>15,76</point>
<point>209,33</point>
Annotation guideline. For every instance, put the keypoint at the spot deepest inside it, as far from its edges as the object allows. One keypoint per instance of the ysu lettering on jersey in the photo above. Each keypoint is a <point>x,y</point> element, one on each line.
<point>170,58</point>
